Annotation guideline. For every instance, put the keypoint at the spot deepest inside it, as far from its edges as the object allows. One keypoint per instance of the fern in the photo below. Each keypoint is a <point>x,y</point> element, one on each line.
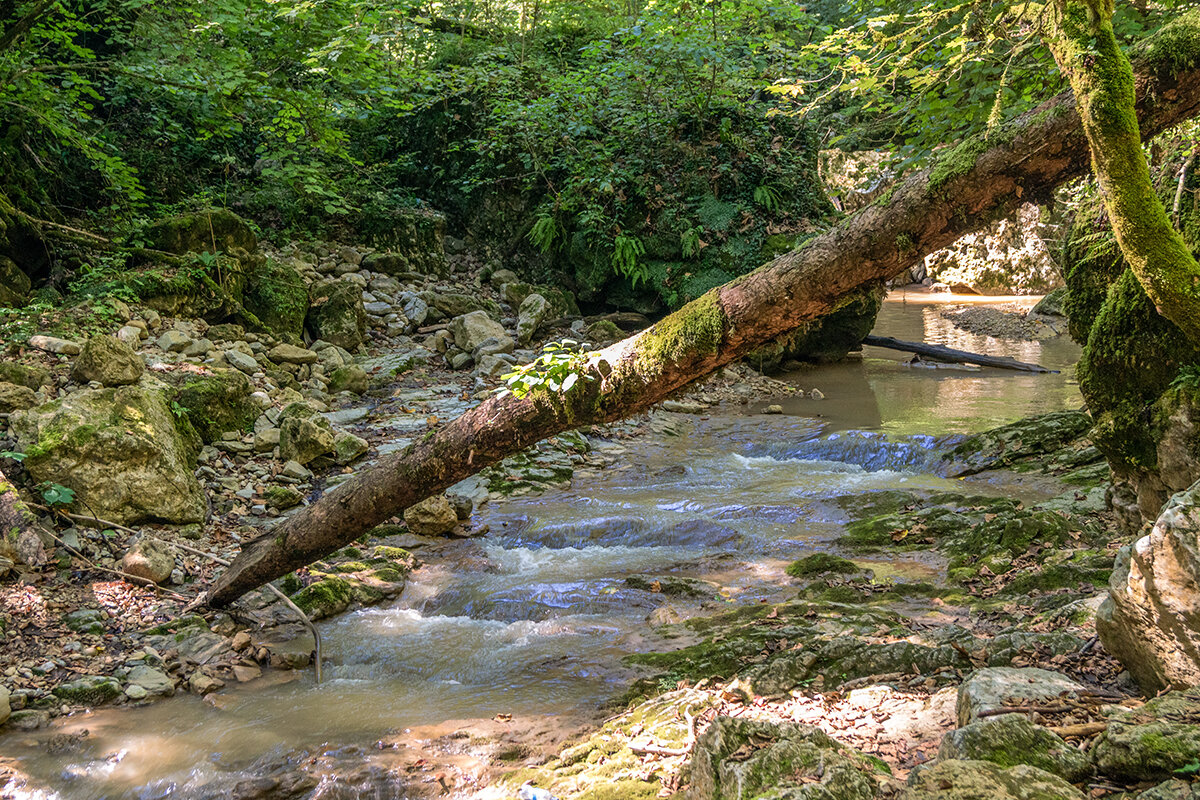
<point>545,232</point>
<point>689,242</point>
<point>1187,378</point>
<point>626,251</point>
<point>768,197</point>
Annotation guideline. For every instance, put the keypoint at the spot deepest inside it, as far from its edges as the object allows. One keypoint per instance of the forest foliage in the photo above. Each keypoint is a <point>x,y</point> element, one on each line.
<point>646,150</point>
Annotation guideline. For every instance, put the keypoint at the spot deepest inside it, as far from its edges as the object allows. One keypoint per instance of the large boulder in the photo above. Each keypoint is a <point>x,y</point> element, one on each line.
<point>473,329</point>
<point>1154,742</point>
<point>121,451</point>
<point>14,284</point>
<point>998,687</point>
<point>109,361</point>
<point>214,231</point>
<point>214,401</point>
<point>1011,739</point>
<point>976,780</point>
<point>1151,618</point>
<point>336,314</point>
<point>150,559</point>
<point>736,758</point>
<point>277,295</point>
<point>1008,258</point>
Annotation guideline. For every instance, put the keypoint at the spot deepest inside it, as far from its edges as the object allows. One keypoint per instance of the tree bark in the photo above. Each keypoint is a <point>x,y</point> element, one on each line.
<point>977,182</point>
<point>1083,43</point>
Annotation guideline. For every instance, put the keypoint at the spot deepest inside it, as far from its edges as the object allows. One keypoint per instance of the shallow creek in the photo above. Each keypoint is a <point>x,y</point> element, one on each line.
<point>533,619</point>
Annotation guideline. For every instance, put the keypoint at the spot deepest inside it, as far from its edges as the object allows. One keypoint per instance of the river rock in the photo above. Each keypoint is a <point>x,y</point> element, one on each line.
<point>52,344</point>
<point>1154,741</point>
<point>1174,789</point>
<point>1151,618</point>
<point>349,379</point>
<point>120,449</point>
<point>24,375</point>
<point>473,329</point>
<point>215,401</point>
<point>16,398</point>
<point>336,314</point>
<point>109,361</point>
<point>291,354</point>
<point>530,316</point>
<point>1011,739</point>
<point>173,341</point>
<point>130,336</point>
<point>149,558</point>
<point>433,516</point>
<point>5,708</point>
<point>90,690</point>
<point>153,682</point>
<point>240,361</point>
<point>348,448</point>
<point>976,780</point>
<point>304,435</point>
<point>415,309</point>
<point>996,687</point>
<point>749,758</point>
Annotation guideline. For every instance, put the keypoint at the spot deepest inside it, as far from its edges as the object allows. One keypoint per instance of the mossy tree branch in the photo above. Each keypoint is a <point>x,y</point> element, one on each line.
<point>1083,43</point>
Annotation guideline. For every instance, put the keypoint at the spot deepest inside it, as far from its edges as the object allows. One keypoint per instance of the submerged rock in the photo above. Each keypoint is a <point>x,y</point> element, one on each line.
<point>121,450</point>
<point>1151,618</point>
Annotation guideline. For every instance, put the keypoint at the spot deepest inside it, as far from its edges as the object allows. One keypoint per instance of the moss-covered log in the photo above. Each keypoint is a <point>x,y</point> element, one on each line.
<point>1083,43</point>
<point>977,182</point>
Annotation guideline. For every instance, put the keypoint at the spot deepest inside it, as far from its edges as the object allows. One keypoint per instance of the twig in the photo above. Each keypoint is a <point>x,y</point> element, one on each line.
<point>278,593</point>
<point>1183,173</point>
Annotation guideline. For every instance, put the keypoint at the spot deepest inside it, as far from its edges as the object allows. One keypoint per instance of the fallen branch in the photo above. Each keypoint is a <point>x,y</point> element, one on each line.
<point>948,354</point>
<point>1081,729</point>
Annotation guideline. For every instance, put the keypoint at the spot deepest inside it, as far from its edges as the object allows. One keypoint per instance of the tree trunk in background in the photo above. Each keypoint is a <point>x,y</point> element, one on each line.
<point>975,183</point>
<point>1082,41</point>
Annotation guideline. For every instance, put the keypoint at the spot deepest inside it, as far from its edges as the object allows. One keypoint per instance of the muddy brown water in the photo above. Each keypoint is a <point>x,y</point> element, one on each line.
<point>533,619</point>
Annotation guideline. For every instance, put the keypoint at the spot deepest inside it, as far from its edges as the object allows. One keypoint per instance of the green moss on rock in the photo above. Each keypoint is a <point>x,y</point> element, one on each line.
<point>216,402</point>
<point>276,294</point>
<point>326,597</point>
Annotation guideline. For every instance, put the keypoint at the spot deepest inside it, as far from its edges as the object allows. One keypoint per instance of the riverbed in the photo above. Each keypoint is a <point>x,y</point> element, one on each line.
<point>532,620</point>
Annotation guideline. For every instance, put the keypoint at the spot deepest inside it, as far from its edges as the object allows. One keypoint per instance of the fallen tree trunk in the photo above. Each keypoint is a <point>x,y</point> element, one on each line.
<point>941,353</point>
<point>975,183</point>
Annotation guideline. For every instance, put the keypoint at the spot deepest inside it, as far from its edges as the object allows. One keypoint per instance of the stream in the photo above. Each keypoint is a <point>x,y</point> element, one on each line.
<point>532,619</point>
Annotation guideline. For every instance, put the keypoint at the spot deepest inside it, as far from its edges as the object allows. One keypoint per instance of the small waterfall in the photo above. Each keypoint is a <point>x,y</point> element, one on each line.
<point>874,452</point>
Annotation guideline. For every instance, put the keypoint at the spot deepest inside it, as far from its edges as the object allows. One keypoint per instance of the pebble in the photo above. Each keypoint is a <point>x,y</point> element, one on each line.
<point>774,408</point>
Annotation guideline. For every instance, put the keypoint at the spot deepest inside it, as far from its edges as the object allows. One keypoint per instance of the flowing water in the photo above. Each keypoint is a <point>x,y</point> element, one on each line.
<point>533,618</point>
